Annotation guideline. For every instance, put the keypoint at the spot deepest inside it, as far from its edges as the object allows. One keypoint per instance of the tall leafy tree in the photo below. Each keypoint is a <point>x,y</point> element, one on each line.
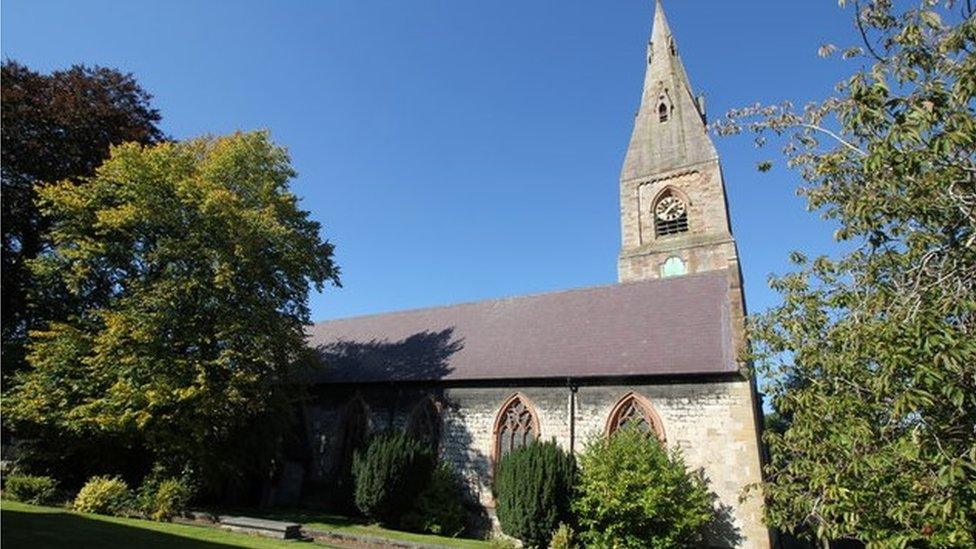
<point>54,126</point>
<point>190,266</point>
<point>871,355</point>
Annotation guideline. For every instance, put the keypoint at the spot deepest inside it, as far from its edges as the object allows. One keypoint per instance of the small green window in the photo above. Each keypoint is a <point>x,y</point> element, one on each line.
<point>674,266</point>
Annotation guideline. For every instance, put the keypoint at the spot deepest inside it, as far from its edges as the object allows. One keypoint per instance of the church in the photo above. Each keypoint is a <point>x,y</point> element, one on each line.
<point>658,349</point>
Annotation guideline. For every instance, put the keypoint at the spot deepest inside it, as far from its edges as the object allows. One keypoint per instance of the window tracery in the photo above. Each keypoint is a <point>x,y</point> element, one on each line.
<point>425,423</point>
<point>354,430</point>
<point>516,426</point>
<point>633,411</point>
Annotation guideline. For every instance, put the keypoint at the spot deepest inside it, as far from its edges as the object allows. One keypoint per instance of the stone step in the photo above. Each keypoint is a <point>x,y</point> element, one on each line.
<point>263,527</point>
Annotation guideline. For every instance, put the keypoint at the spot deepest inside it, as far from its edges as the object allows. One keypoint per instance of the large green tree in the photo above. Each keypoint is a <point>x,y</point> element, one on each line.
<point>54,126</point>
<point>871,356</point>
<point>189,267</point>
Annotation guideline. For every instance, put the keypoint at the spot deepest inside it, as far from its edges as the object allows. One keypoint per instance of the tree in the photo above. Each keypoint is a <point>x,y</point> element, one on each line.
<point>54,127</point>
<point>633,493</point>
<point>189,265</point>
<point>439,507</point>
<point>871,356</point>
<point>390,474</point>
<point>533,488</point>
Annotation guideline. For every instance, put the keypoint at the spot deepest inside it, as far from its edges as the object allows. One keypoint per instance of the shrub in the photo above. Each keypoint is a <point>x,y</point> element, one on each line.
<point>533,491</point>
<point>563,538</point>
<point>438,509</point>
<point>105,495</point>
<point>162,498</point>
<point>503,543</point>
<point>31,489</point>
<point>633,493</point>
<point>172,498</point>
<point>390,475</point>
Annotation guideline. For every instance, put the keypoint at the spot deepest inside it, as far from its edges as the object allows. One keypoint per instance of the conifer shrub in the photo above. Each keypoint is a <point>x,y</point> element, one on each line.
<point>438,509</point>
<point>633,493</point>
<point>390,474</point>
<point>533,492</point>
<point>36,490</point>
<point>104,495</point>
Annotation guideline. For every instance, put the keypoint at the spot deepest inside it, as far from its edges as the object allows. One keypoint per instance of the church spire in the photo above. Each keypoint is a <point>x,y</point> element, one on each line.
<point>673,213</point>
<point>669,131</point>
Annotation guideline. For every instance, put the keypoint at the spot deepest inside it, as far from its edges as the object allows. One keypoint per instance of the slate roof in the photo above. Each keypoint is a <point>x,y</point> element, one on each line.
<point>672,326</point>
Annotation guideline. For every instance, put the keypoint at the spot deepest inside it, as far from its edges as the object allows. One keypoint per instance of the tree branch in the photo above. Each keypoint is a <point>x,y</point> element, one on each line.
<point>864,32</point>
<point>838,138</point>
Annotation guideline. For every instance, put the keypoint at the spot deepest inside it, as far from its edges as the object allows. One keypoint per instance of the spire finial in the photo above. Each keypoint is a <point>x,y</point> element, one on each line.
<point>670,128</point>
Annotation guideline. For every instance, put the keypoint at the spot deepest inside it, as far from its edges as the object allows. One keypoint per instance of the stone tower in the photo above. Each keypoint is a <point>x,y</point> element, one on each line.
<point>673,212</point>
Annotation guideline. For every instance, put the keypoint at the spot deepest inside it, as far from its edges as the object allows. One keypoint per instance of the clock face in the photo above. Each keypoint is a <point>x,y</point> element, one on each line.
<point>670,208</point>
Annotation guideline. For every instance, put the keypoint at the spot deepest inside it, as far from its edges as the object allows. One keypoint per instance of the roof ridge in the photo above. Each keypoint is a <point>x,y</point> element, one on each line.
<point>522,296</point>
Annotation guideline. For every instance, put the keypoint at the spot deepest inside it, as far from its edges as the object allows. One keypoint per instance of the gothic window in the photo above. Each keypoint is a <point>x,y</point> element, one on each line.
<point>663,112</point>
<point>670,215</point>
<point>355,426</point>
<point>634,411</point>
<point>664,105</point>
<point>425,423</point>
<point>516,426</point>
<point>353,432</point>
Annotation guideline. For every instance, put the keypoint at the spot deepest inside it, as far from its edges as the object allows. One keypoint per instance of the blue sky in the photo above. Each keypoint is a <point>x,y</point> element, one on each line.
<point>457,150</point>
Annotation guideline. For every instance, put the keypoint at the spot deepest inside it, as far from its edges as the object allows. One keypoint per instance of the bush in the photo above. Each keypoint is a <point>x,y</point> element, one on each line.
<point>563,538</point>
<point>390,475</point>
<point>172,498</point>
<point>104,495</point>
<point>503,543</point>
<point>162,498</point>
<point>633,493</point>
<point>533,491</point>
<point>438,509</point>
<point>31,489</point>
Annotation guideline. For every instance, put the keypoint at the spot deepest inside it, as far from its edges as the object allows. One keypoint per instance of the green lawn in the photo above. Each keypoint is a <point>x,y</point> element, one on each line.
<point>335,523</point>
<point>36,527</point>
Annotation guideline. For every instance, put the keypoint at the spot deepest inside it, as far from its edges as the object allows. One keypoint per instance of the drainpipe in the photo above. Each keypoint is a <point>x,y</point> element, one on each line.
<point>572,414</point>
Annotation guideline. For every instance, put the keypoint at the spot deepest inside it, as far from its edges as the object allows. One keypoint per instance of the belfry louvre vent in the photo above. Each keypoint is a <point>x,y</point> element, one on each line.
<point>670,214</point>
<point>679,225</point>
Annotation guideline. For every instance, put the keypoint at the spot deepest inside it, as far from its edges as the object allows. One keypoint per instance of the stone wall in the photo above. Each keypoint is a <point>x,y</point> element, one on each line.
<point>712,423</point>
<point>708,244</point>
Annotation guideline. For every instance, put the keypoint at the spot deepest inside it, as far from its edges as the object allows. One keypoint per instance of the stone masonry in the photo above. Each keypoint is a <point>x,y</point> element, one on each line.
<point>712,423</point>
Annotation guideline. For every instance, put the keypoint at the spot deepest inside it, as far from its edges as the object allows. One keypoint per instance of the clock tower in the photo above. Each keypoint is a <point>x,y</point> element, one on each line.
<point>673,210</point>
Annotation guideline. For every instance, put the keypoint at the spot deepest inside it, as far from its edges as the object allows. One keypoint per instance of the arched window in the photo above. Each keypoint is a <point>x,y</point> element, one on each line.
<point>516,425</point>
<point>670,214</point>
<point>636,411</point>
<point>663,112</point>
<point>425,422</point>
<point>355,427</point>
<point>353,432</point>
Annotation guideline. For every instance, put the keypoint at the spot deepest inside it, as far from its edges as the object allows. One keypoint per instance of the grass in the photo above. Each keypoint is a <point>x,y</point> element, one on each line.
<point>344,525</point>
<point>42,527</point>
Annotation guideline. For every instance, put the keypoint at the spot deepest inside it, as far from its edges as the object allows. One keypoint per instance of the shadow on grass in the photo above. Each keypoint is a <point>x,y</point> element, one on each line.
<point>59,530</point>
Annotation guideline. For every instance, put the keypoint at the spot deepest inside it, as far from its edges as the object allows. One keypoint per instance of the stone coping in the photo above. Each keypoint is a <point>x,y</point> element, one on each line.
<point>366,541</point>
<point>293,530</point>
